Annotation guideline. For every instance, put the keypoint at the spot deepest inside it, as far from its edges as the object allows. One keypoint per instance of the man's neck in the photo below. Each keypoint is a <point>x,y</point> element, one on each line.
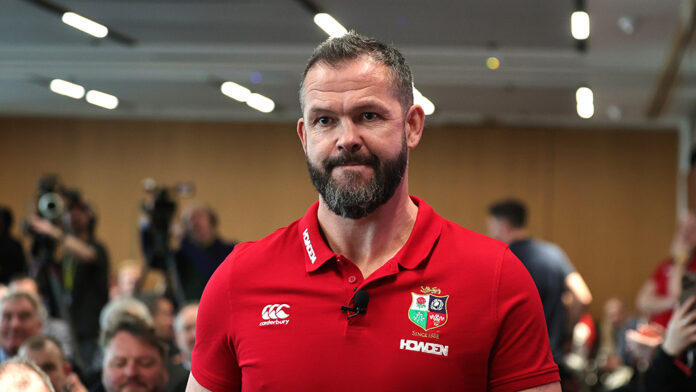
<point>371,241</point>
<point>517,235</point>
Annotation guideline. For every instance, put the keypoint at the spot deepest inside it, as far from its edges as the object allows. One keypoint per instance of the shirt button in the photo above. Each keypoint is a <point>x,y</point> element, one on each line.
<point>352,279</point>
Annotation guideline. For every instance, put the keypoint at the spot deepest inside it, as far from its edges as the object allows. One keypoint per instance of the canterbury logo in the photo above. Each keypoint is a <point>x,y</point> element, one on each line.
<point>275,312</point>
<point>274,315</point>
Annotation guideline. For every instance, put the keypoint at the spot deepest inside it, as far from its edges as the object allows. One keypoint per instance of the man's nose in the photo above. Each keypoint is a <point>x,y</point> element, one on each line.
<point>131,369</point>
<point>349,139</point>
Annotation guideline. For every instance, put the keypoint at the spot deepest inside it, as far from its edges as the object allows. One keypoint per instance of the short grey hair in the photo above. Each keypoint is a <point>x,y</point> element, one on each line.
<point>15,295</point>
<point>338,50</point>
<point>119,306</point>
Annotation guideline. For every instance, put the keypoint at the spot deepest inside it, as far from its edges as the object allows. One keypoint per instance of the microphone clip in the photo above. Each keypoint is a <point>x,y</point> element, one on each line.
<point>355,310</point>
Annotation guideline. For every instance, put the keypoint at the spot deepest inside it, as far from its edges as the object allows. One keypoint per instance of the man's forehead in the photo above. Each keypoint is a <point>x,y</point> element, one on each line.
<point>124,343</point>
<point>352,71</point>
<point>17,304</point>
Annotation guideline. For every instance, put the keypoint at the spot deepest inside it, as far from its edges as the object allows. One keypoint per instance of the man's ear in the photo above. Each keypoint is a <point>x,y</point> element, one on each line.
<point>415,121</point>
<point>301,132</point>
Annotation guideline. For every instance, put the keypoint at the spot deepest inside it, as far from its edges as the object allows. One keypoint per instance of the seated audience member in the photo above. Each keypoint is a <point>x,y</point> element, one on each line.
<point>20,375</point>
<point>162,310</point>
<point>659,294</point>
<point>128,307</point>
<point>185,333</point>
<point>127,278</point>
<point>47,354</point>
<point>199,253</point>
<point>134,357</point>
<point>11,251</point>
<point>672,368</point>
<point>55,327</point>
<point>20,314</point>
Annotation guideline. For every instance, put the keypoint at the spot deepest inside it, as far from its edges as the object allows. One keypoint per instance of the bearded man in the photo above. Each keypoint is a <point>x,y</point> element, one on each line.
<point>371,289</point>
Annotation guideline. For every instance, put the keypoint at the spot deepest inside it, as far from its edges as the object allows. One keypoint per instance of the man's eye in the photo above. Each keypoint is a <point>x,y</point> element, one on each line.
<point>323,120</point>
<point>369,116</point>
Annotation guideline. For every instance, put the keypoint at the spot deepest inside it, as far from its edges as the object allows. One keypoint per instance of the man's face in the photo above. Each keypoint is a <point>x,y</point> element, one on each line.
<point>355,135</point>
<point>496,228</point>
<point>186,336</point>
<point>202,229</point>
<point>20,321</point>
<point>79,218</point>
<point>163,318</point>
<point>51,362</point>
<point>131,365</point>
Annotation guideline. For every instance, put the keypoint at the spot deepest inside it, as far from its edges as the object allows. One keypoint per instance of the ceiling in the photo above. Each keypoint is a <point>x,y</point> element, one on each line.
<point>184,49</point>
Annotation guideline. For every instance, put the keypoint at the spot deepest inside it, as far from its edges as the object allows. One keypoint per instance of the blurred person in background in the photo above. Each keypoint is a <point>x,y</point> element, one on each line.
<point>200,250</point>
<point>162,310</point>
<point>128,277</point>
<point>20,319</point>
<point>121,308</point>
<point>21,375</point>
<point>54,327</point>
<point>660,293</point>
<point>564,293</point>
<point>185,333</point>
<point>83,270</point>
<point>47,354</point>
<point>673,366</point>
<point>12,260</point>
<point>134,357</point>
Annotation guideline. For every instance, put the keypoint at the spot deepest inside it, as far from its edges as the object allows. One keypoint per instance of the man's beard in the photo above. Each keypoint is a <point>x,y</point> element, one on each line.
<point>353,199</point>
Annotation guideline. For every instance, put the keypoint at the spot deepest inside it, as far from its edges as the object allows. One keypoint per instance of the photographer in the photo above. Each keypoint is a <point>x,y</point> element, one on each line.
<point>82,266</point>
<point>672,368</point>
<point>200,250</point>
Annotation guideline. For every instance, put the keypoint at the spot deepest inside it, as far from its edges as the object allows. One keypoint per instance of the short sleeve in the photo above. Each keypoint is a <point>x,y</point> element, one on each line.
<point>213,362</point>
<point>521,357</point>
<point>564,262</point>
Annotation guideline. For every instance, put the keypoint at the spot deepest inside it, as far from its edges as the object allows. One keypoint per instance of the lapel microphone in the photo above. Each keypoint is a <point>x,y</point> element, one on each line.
<point>360,301</point>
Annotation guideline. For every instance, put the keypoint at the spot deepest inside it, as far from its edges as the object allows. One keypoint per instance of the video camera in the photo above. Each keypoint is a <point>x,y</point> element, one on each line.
<point>52,200</point>
<point>161,206</point>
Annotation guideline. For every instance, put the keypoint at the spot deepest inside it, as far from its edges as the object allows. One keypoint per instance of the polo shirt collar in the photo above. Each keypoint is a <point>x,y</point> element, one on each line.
<point>426,231</point>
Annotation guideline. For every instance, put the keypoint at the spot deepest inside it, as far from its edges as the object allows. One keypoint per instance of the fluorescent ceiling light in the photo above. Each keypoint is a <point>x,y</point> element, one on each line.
<point>584,95</point>
<point>580,25</point>
<point>260,103</point>
<point>63,87</point>
<point>98,98</point>
<point>85,25</point>
<point>585,110</point>
<point>425,103</point>
<point>235,91</point>
<point>330,25</point>
<point>584,99</point>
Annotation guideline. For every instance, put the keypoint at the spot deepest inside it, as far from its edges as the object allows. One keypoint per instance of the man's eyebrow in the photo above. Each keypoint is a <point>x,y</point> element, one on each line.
<point>369,106</point>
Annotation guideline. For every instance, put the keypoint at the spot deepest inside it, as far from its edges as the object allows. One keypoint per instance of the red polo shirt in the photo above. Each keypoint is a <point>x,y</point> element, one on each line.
<point>452,310</point>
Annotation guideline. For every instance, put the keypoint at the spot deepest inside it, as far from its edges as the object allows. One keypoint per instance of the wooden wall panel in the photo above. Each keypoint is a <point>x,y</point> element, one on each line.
<point>607,197</point>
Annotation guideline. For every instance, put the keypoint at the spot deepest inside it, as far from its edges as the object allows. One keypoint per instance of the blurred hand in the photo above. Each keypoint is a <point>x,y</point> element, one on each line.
<point>681,331</point>
<point>73,383</point>
<point>42,226</point>
<point>641,342</point>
